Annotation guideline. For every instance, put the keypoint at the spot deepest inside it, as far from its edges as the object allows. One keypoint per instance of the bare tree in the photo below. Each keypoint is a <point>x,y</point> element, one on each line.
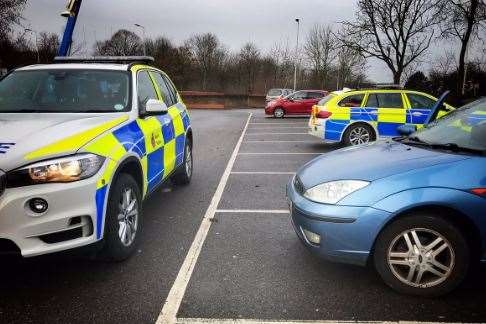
<point>460,20</point>
<point>48,44</point>
<point>284,64</point>
<point>319,49</point>
<point>208,54</point>
<point>396,32</point>
<point>350,63</point>
<point>444,64</point>
<point>249,61</point>
<point>122,43</point>
<point>10,14</point>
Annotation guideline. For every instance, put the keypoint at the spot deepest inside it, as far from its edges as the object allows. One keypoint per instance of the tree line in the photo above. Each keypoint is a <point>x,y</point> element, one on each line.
<point>407,36</point>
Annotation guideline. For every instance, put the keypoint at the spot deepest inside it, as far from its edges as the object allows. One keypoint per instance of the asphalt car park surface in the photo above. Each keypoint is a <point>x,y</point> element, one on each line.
<point>248,264</point>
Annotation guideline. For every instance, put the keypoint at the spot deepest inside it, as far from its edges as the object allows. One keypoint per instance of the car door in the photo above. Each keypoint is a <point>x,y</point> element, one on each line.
<point>312,99</point>
<point>296,103</point>
<point>391,113</point>
<point>419,108</point>
<point>174,123</point>
<point>153,162</point>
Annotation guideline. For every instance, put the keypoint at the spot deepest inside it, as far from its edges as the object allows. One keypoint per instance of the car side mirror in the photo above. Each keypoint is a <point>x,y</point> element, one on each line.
<point>406,130</point>
<point>154,106</point>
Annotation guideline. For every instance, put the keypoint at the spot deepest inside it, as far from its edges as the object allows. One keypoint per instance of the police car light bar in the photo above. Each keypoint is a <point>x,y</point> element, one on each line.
<point>104,59</point>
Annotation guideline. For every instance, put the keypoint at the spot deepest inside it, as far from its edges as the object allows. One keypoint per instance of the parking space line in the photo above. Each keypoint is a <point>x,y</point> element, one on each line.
<point>317,142</point>
<point>267,321</point>
<point>173,302</point>
<point>280,153</point>
<point>303,122</point>
<point>263,172</point>
<point>253,211</point>
<point>279,127</point>
<point>277,134</point>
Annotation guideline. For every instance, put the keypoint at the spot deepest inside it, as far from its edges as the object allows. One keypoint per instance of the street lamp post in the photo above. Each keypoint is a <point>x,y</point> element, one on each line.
<point>143,38</point>
<point>297,20</point>
<point>36,42</point>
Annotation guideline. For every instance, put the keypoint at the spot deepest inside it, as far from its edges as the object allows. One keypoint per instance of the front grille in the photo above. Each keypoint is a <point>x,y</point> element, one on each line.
<point>3,182</point>
<point>299,187</point>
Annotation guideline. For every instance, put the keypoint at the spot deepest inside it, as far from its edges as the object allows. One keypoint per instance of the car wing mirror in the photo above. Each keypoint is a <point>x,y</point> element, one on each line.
<point>434,112</point>
<point>406,130</point>
<point>154,106</point>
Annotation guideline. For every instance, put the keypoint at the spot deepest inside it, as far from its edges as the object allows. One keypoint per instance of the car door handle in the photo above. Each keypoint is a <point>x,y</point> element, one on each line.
<point>416,113</point>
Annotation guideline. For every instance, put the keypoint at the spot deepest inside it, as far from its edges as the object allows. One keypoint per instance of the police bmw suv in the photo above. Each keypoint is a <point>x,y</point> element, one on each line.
<point>82,142</point>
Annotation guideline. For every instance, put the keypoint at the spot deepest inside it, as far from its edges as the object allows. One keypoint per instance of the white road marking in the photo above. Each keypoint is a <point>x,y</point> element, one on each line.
<point>173,302</point>
<point>266,321</point>
<point>277,134</point>
<point>279,153</point>
<point>279,127</point>
<point>316,142</point>
<point>262,172</point>
<point>253,211</point>
<point>296,123</point>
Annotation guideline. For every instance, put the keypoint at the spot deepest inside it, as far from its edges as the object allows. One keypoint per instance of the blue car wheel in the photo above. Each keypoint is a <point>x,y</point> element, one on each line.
<point>422,254</point>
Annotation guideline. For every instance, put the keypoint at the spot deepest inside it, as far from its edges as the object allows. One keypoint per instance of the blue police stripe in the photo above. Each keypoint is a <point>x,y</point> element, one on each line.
<point>474,120</point>
<point>365,114</point>
<point>334,129</point>
<point>388,129</point>
<point>185,121</point>
<point>5,146</point>
<point>131,137</point>
<point>155,168</point>
<point>168,131</point>
<point>180,143</point>
<point>100,205</point>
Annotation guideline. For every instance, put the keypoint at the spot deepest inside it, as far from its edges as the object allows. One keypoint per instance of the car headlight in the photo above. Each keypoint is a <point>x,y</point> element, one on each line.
<point>332,192</point>
<point>67,169</point>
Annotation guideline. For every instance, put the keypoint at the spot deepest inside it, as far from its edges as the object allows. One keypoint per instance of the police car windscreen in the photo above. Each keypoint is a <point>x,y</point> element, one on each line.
<point>464,128</point>
<point>65,91</point>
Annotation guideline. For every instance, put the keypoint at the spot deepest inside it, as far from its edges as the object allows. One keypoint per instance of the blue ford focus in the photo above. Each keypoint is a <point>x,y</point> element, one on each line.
<point>414,206</point>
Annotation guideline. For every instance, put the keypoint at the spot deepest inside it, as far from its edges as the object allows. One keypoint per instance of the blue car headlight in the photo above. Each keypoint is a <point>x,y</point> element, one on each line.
<point>332,192</point>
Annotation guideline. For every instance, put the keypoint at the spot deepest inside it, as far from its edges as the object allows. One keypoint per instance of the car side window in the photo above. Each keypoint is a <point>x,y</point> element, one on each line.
<point>389,100</point>
<point>164,89</point>
<point>372,101</point>
<point>172,89</point>
<point>314,95</point>
<point>145,89</point>
<point>420,102</point>
<point>352,101</point>
<point>299,95</point>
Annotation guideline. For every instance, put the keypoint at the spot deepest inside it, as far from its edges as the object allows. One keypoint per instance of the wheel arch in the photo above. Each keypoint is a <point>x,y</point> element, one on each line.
<point>456,217</point>
<point>132,166</point>
<point>361,122</point>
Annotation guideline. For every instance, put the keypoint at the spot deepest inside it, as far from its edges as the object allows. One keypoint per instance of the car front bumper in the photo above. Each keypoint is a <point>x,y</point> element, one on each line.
<point>69,221</point>
<point>347,233</point>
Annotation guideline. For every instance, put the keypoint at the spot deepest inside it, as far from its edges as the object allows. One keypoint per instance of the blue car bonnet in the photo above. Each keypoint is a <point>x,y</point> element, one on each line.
<point>371,162</point>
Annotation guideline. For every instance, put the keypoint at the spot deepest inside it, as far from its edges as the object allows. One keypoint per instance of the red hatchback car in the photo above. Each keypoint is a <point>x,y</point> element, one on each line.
<point>297,103</point>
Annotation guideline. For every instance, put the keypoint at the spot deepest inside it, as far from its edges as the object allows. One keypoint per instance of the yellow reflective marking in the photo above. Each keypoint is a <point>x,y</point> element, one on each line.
<point>144,164</point>
<point>392,115</point>
<point>340,113</point>
<point>152,132</point>
<point>75,141</point>
<point>169,157</point>
<point>107,175</point>
<point>479,112</point>
<point>156,86</point>
<point>176,120</point>
<point>107,146</point>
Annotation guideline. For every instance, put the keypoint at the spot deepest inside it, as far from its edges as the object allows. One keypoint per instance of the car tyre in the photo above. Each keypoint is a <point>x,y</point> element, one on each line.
<point>184,174</point>
<point>123,223</point>
<point>359,134</point>
<point>279,113</point>
<point>431,262</point>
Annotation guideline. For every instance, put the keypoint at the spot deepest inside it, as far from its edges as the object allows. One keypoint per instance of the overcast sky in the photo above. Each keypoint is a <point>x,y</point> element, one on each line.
<point>235,22</point>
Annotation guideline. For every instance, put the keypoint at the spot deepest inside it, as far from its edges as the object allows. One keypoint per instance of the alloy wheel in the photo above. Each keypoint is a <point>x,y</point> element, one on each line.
<point>359,135</point>
<point>421,258</point>
<point>188,160</point>
<point>128,217</point>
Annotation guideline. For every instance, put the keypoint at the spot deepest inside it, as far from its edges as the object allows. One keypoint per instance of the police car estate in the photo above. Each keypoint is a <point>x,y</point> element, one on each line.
<point>356,117</point>
<point>82,142</point>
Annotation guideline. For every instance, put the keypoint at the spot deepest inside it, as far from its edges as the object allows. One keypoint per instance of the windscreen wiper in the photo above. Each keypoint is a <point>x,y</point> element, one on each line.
<point>457,148</point>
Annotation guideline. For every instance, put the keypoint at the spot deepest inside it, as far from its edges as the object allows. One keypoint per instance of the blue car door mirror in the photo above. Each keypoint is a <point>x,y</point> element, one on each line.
<point>406,130</point>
